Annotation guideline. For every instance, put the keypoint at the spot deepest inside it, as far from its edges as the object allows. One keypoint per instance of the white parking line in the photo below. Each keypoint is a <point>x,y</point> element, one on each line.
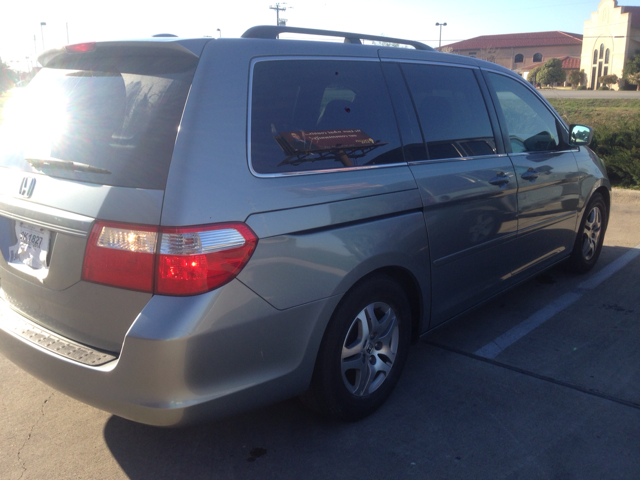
<point>495,347</point>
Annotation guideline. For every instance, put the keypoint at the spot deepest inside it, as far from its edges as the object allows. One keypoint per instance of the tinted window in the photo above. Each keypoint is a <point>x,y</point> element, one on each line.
<point>452,112</point>
<point>531,126</point>
<point>116,120</point>
<point>321,114</point>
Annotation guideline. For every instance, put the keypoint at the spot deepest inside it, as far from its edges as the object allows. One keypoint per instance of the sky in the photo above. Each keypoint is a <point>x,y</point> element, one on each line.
<point>21,33</point>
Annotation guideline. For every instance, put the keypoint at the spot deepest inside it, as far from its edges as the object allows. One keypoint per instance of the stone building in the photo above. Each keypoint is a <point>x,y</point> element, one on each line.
<point>517,50</point>
<point>611,35</point>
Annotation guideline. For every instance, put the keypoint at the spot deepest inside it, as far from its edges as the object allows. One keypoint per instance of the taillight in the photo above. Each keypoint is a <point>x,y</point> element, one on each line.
<point>121,255</point>
<point>198,259</point>
<point>190,260</point>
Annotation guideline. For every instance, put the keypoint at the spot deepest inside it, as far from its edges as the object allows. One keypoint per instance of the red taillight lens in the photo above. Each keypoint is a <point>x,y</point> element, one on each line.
<point>198,259</point>
<point>121,255</point>
<point>81,47</point>
<point>191,260</point>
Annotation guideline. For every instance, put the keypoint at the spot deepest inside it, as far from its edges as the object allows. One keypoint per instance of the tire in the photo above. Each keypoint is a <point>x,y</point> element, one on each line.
<point>362,352</point>
<point>590,238</point>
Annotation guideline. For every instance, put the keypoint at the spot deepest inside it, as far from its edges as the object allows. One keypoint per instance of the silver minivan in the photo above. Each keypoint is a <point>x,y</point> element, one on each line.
<point>190,228</point>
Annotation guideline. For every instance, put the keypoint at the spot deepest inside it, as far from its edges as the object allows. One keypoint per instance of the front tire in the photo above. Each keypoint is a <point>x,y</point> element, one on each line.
<point>588,245</point>
<point>362,352</point>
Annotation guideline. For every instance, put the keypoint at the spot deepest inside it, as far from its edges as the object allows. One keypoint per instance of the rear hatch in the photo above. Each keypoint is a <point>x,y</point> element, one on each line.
<point>89,141</point>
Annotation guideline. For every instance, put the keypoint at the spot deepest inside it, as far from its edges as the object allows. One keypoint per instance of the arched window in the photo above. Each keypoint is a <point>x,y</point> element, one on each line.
<point>537,57</point>
<point>519,58</point>
<point>595,57</point>
<point>606,56</point>
<point>601,50</point>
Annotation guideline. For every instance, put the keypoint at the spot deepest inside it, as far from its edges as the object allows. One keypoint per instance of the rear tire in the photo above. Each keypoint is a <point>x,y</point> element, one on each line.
<point>362,352</point>
<point>590,238</point>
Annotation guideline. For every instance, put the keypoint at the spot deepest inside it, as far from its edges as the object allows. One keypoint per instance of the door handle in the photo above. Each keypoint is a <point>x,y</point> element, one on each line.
<point>530,175</point>
<point>500,180</point>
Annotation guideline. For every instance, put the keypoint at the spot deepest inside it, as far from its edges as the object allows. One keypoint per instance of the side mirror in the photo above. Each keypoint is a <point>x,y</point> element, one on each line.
<point>580,135</point>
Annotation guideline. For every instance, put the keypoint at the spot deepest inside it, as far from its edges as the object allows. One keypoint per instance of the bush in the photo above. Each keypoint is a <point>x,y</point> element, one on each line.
<point>581,87</point>
<point>603,88</point>
<point>619,146</point>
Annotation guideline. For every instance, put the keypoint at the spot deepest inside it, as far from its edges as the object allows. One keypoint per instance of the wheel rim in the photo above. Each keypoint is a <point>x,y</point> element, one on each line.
<point>591,233</point>
<point>369,349</point>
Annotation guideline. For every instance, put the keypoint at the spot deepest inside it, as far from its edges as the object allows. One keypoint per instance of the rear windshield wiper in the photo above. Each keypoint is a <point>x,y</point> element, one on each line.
<point>51,162</point>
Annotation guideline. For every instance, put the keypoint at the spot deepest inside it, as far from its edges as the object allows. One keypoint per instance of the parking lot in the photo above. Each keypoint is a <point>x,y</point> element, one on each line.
<point>542,382</point>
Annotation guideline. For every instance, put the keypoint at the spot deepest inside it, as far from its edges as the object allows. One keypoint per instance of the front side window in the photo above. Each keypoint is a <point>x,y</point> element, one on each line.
<point>309,115</point>
<point>451,110</point>
<point>531,126</point>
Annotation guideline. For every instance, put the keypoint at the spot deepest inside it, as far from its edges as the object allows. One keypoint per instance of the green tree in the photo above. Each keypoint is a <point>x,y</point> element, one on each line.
<point>532,76</point>
<point>608,79</point>
<point>576,78</point>
<point>634,79</point>
<point>551,72</point>
<point>8,77</point>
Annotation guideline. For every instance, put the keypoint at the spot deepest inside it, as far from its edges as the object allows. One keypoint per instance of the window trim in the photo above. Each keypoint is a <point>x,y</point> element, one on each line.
<point>272,58</point>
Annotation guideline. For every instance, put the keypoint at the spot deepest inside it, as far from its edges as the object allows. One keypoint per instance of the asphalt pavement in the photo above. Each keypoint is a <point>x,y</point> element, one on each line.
<point>561,401</point>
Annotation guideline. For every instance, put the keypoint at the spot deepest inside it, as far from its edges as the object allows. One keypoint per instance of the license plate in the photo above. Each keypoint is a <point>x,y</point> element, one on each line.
<point>32,247</point>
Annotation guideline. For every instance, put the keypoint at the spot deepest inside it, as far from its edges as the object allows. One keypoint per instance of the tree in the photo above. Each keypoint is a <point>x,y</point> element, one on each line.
<point>490,54</point>
<point>634,79</point>
<point>608,79</point>
<point>8,77</point>
<point>551,72</point>
<point>532,76</point>
<point>576,78</point>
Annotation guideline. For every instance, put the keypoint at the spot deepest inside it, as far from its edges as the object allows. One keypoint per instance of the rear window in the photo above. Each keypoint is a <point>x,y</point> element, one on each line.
<point>321,114</point>
<point>112,123</point>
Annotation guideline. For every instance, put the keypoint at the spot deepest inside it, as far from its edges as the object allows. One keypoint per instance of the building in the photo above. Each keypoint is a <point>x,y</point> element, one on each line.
<point>517,50</point>
<point>611,35</point>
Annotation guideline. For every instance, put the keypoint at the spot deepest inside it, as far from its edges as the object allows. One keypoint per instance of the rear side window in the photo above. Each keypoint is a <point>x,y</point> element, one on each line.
<point>113,122</point>
<point>320,114</point>
<point>531,126</point>
<point>451,109</point>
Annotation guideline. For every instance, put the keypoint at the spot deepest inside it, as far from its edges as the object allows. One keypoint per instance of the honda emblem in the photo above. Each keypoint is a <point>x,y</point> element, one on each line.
<point>27,186</point>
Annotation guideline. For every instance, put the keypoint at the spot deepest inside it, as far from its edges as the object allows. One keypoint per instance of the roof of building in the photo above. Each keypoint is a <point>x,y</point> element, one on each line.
<point>568,63</point>
<point>532,39</point>
<point>635,15</point>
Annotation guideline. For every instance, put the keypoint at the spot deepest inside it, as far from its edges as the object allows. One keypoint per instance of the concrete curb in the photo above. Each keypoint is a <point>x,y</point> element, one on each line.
<point>626,196</point>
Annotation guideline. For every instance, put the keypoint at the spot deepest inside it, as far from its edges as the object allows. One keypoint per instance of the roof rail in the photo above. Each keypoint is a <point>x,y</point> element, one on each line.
<point>272,32</point>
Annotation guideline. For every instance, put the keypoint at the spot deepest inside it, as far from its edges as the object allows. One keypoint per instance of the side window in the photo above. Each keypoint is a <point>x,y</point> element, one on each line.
<point>321,114</point>
<point>531,126</point>
<point>451,110</point>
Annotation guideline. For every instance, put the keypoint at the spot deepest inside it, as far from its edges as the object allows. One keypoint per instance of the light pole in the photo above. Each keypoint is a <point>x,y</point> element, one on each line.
<point>219,32</point>
<point>440,25</point>
<point>42,24</point>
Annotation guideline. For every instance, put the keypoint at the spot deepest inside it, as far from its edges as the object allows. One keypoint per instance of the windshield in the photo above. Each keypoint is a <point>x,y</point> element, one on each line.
<point>113,124</point>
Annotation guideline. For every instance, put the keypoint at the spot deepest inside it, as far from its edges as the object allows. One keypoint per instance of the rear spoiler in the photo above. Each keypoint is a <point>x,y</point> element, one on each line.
<point>75,54</point>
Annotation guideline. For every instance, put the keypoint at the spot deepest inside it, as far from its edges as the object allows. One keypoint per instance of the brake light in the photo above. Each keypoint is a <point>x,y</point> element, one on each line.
<point>198,259</point>
<point>190,260</point>
<point>81,47</point>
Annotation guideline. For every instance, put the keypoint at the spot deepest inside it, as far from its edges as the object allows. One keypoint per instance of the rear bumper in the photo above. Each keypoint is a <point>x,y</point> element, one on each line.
<point>186,360</point>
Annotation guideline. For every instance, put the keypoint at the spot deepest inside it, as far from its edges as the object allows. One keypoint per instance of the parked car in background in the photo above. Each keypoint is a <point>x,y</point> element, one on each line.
<point>190,228</point>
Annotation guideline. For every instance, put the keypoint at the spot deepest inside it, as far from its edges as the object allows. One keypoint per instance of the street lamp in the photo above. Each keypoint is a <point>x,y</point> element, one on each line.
<point>42,24</point>
<point>440,25</point>
<point>219,33</point>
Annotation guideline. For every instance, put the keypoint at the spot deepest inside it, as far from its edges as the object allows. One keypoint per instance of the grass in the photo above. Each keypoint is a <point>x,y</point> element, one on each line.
<point>616,123</point>
<point>597,112</point>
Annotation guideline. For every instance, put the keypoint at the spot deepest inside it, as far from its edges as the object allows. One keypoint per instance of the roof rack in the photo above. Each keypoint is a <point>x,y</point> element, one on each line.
<point>272,32</point>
